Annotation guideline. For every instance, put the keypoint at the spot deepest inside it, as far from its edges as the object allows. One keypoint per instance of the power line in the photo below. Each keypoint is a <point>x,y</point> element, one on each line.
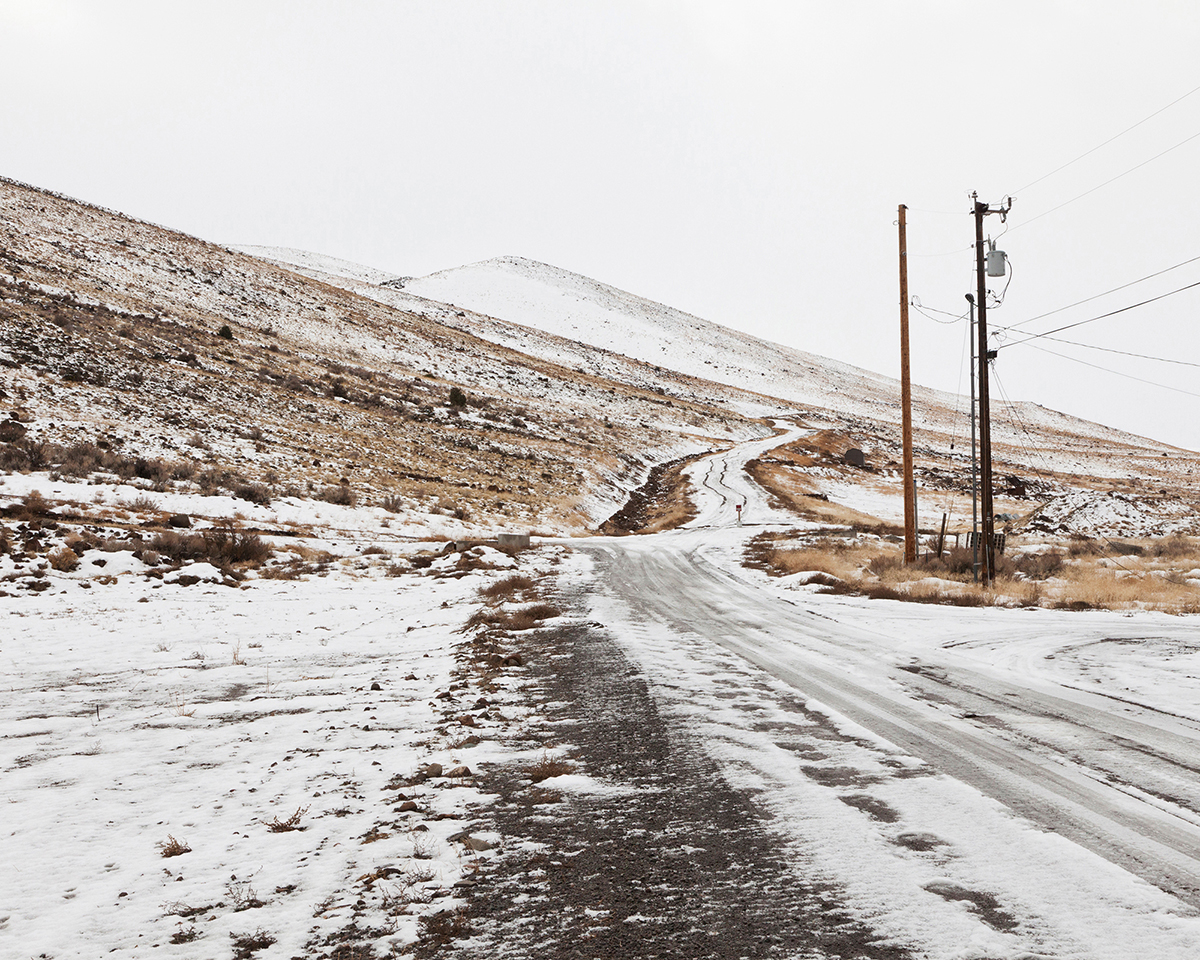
<point>1111,313</point>
<point>946,253</point>
<point>917,305</point>
<point>1078,303</point>
<point>1033,452</point>
<point>1124,353</point>
<point>1108,141</point>
<point>1107,182</point>
<point>1118,373</point>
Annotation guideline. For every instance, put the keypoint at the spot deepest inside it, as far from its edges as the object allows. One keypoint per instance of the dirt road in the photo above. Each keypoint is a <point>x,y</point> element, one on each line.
<point>786,769</point>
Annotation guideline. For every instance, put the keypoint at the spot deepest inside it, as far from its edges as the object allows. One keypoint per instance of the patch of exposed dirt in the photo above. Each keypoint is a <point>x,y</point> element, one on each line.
<point>663,502</point>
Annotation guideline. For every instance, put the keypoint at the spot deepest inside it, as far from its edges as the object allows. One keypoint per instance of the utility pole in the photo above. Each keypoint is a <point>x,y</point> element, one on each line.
<point>974,462</point>
<point>988,565</point>
<point>910,490</point>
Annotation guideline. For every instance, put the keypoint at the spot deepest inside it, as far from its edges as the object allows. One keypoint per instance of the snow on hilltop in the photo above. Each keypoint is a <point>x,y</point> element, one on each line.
<point>578,308</point>
<point>318,262</point>
<point>570,319</point>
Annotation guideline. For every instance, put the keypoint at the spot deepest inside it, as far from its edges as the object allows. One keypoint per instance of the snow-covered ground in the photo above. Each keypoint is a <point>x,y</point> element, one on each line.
<point>971,783</point>
<point>186,762</point>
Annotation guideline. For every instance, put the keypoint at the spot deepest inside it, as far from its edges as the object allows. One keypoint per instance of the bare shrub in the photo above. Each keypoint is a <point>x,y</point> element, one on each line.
<point>1040,566</point>
<point>185,936</point>
<point>34,505</point>
<point>243,896</point>
<point>83,459</point>
<point>36,453</point>
<point>211,481</point>
<point>172,847</point>
<point>548,767</point>
<point>184,469</point>
<point>1173,547</point>
<point>392,504</point>
<point>1084,547</point>
<point>13,458</point>
<point>339,494</point>
<point>223,544</point>
<point>157,471</point>
<point>64,559</point>
<point>245,944</point>
<point>442,928</point>
<point>290,824</point>
<point>253,492</point>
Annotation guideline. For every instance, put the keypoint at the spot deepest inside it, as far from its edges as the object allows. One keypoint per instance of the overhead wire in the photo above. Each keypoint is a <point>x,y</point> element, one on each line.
<point>1097,296</point>
<point>1124,353</point>
<point>1106,182</point>
<point>917,305</point>
<point>1032,453</point>
<point>1111,313</point>
<point>1118,373</point>
<point>1098,146</point>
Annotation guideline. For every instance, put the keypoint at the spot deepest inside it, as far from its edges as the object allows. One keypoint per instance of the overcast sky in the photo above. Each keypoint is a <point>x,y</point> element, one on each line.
<point>740,160</point>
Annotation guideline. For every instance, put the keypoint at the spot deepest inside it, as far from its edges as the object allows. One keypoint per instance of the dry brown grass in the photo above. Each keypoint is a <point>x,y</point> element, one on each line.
<point>64,559</point>
<point>1117,588</point>
<point>521,618</point>
<point>790,489</point>
<point>842,563</point>
<point>548,767</point>
<point>1142,575</point>
<point>506,589</point>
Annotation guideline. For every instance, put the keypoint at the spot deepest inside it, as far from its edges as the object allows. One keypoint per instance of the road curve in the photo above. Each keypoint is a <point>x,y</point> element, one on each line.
<point>1119,778</point>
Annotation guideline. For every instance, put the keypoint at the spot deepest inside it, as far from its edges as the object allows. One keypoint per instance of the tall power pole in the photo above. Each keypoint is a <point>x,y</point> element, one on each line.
<point>988,556</point>
<point>910,490</point>
<point>974,461</point>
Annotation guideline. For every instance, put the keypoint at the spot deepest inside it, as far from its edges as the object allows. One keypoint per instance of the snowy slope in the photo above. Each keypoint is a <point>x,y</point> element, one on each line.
<point>318,261</point>
<point>560,302</point>
<point>576,307</point>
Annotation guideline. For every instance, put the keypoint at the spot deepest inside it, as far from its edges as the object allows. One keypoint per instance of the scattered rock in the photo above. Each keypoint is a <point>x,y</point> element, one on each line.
<point>462,770</point>
<point>376,686</point>
<point>180,521</point>
<point>432,770</point>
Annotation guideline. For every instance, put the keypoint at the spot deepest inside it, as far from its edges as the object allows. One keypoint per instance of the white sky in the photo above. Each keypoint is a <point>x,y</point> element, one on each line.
<point>743,161</point>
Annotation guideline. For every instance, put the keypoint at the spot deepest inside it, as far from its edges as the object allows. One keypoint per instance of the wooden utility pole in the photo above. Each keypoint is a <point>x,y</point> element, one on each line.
<point>988,555</point>
<point>910,491</point>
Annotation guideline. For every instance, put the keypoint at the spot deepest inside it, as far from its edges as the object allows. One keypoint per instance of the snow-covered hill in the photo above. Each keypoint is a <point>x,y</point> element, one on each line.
<point>578,308</point>
<point>562,316</point>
